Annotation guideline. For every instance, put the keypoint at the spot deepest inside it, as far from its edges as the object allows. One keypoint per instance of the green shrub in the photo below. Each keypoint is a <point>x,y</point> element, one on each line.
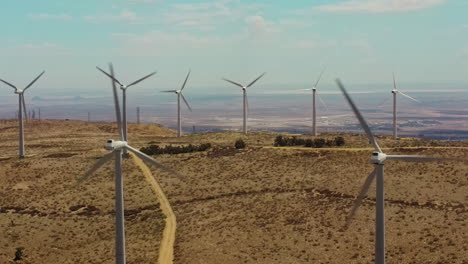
<point>279,141</point>
<point>239,144</point>
<point>18,254</point>
<point>169,149</point>
<point>339,141</point>
<point>319,142</point>
<point>309,143</point>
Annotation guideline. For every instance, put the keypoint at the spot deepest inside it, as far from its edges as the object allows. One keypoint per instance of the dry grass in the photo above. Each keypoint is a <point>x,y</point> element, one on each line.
<point>257,205</point>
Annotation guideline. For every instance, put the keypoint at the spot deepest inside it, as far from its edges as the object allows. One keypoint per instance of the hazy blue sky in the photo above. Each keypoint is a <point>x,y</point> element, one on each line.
<point>361,41</point>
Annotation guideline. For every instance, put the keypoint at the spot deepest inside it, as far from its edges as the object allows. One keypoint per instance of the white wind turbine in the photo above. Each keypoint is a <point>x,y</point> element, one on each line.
<point>378,158</point>
<point>180,95</point>
<point>245,101</point>
<point>118,147</point>
<point>395,91</point>
<point>314,112</point>
<point>124,96</point>
<point>22,107</point>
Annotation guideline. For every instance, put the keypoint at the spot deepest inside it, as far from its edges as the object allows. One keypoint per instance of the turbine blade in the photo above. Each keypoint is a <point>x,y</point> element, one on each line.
<point>362,194</point>
<point>380,105</point>
<point>419,158</point>
<point>9,84</point>
<point>254,81</point>
<point>169,91</point>
<point>306,89</point>
<point>24,106</point>
<point>96,166</point>
<point>322,102</point>
<point>152,161</point>
<point>110,76</point>
<point>405,95</point>
<point>118,117</point>
<point>240,85</point>
<point>394,82</point>
<point>141,79</point>
<point>320,76</point>
<point>185,101</point>
<point>359,117</point>
<point>186,78</point>
<point>33,81</point>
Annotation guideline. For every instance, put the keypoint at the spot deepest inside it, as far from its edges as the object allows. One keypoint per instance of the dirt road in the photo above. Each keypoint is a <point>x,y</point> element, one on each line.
<point>166,249</point>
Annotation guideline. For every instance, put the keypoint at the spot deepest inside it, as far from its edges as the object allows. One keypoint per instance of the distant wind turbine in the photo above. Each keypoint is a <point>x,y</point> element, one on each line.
<point>118,147</point>
<point>395,91</point>
<point>22,107</point>
<point>314,111</point>
<point>180,95</point>
<point>246,101</point>
<point>378,158</point>
<point>124,96</point>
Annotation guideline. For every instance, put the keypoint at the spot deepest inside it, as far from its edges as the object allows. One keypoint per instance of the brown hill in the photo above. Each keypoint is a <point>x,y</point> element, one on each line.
<point>261,204</point>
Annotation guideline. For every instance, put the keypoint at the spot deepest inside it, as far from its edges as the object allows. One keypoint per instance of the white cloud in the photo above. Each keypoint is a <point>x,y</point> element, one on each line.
<point>257,25</point>
<point>315,44</point>
<point>142,1</point>
<point>45,16</point>
<point>124,16</point>
<point>35,49</point>
<point>380,6</point>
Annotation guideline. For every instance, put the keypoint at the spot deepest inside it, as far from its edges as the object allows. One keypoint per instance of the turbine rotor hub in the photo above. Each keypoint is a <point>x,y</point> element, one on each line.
<point>115,144</point>
<point>378,158</point>
<point>18,91</point>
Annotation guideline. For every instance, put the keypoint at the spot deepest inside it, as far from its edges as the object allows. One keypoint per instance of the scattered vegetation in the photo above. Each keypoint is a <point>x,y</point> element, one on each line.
<point>18,254</point>
<point>170,149</point>
<point>281,141</point>
<point>239,144</point>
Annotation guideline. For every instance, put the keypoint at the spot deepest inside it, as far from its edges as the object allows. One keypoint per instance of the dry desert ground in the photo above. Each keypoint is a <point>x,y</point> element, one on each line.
<point>261,204</point>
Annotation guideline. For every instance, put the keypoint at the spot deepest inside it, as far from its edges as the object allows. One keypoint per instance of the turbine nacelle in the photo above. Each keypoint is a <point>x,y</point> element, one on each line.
<point>394,91</point>
<point>19,91</point>
<point>115,144</point>
<point>378,158</point>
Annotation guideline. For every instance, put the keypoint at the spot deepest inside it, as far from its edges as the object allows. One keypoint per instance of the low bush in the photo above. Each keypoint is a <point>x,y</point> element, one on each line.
<point>170,149</point>
<point>281,141</point>
<point>239,144</point>
<point>339,141</point>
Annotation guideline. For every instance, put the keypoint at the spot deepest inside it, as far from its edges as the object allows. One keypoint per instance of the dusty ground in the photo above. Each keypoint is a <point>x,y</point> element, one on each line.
<point>257,205</point>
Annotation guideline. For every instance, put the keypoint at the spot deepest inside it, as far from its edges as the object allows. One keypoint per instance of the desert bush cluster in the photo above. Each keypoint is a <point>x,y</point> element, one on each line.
<point>239,144</point>
<point>170,149</point>
<point>281,141</point>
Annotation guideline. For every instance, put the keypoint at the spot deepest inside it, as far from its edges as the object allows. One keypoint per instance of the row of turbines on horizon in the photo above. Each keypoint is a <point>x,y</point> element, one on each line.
<point>120,147</point>
<point>21,113</point>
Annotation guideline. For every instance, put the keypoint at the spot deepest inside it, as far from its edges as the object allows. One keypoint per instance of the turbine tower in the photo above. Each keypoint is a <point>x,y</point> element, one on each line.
<point>378,158</point>
<point>22,107</point>
<point>245,100</point>
<point>395,92</point>
<point>314,111</point>
<point>124,96</point>
<point>117,147</point>
<point>180,95</point>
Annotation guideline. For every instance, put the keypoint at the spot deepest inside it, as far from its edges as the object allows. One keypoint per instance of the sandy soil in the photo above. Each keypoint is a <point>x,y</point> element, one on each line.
<point>256,205</point>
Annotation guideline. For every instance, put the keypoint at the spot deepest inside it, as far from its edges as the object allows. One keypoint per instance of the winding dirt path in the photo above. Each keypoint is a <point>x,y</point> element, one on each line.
<point>166,248</point>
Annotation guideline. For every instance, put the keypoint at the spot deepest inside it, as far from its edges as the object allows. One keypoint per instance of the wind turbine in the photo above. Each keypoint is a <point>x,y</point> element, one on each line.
<point>395,92</point>
<point>314,94</point>
<point>246,102</point>
<point>124,96</point>
<point>22,107</point>
<point>378,158</point>
<point>180,95</point>
<point>118,147</point>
